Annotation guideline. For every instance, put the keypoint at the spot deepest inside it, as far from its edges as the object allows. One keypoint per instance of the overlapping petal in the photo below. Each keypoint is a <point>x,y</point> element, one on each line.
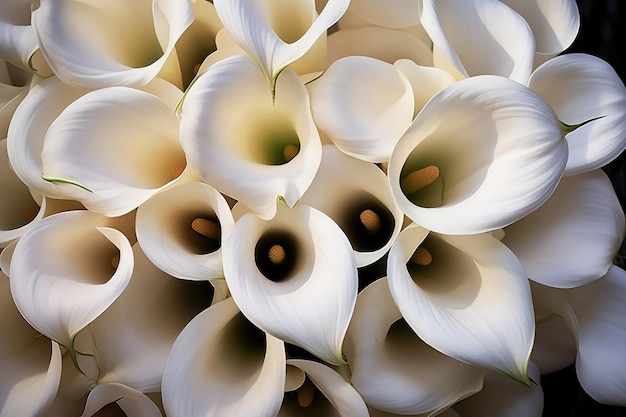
<point>471,300</point>
<point>395,14</point>
<point>280,271</point>
<point>10,97</point>
<point>132,402</point>
<point>498,151</point>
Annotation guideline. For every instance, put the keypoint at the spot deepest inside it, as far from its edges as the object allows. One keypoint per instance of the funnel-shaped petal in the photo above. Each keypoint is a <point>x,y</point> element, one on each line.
<point>244,142</point>
<point>295,277</point>
<point>470,299</point>
<point>583,88</point>
<point>395,371</point>
<point>220,365</point>
<point>132,402</point>
<point>572,239</point>
<point>483,153</point>
<point>182,229</point>
<point>62,274</point>
<point>94,44</point>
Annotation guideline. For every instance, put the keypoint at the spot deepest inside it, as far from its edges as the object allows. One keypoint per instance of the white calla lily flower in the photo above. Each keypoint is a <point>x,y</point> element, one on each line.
<point>221,365</point>
<point>482,153</point>
<point>93,44</point>
<point>477,37</point>
<point>395,371</point>
<point>63,273</point>
<point>363,122</point>
<point>572,239</point>
<point>113,148</point>
<point>466,296</point>
<point>182,229</point>
<point>231,125</point>
<point>280,271</point>
<point>584,89</point>
<point>357,196</point>
<point>132,402</point>
<point>276,33</point>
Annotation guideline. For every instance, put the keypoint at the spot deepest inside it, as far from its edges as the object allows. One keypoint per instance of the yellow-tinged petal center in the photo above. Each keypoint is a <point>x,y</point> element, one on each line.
<point>305,393</point>
<point>277,254</point>
<point>419,179</point>
<point>421,257</point>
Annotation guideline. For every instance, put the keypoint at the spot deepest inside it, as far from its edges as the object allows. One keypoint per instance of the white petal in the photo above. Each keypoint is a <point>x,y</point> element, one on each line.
<point>364,105</point>
<point>393,369</point>
<point>220,366</point>
<point>164,230</point>
<point>499,150</point>
<point>119,145</point>
<point>392,14</point>
<point>93,44</point>
<point>579,88</point>
<point>572,239</point>
<point>252,24</point>
<point>10,97</point>
<point>231,127</point>
<point>471,302</point>
<point>480,37</point>
<point>62,277</point>
<point>601,331</point>
<point>344,188</point>
<point>134,403</point>
<point>319,270</point>
<point>555,346</point>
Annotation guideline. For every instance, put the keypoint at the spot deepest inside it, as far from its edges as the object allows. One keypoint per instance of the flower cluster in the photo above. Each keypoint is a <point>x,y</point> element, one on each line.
<point>294,208</point>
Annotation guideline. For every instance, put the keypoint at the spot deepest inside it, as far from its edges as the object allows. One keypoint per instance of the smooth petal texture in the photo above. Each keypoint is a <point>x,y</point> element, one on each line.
<point>471,302</point>
<point>319,269</point>
<point>93,45</point>
<point>344,188</point>
<point>255,26</point>
<point>134,403</point>
<point>339,398</point>
<point>10,97</point>
<point>480,37</point>
<point>394,370</point>
<point>119,145</point>
<point>364,105</point>
<point>230,125</point>
<point>62,277</point>
<point>221,366</point>
<point>499,151</point>
<point>572,239</point>
<point>599,307</point>
<point>555,347</point>
<point>579,88</point>
<point>502,397</point>
<point>395,14</point>
<point>165,230</point>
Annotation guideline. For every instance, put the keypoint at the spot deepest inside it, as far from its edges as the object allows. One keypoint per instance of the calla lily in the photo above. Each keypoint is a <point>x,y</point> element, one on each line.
<point>95,44</point>
<point>231,125</point>
<point>582,88</point>
<point>479,37</point>
<point>482,153</point>
<point>363,122</point>
<point>338,397</point>
<point>466,296</point>
<point>132,402</point>
<point>182,229</point>
<point>572,239</point>
<point>280,271</point>
<point>392,369</point>
<point>62,276</point>
<point>113,148</point>
<point>273,40</point>
<point>30,365</point>
<point>356,195</point>
<point>220,365</point>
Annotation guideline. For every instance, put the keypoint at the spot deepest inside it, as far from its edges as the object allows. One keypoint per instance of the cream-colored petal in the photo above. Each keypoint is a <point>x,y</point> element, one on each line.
<point>166,231</point>
<point>356,195</point>
<point>364,105</point>
<point>395,14</point>
<point>572,239</point>
<point>581,88</point>
<point>499,152</point>
<point>221,365</point>
<point>62,273</point>
<point>132,402</point>
<point>93,44</point>
<point>395,371</point>
<point>231,126</point>
<point>471,300</point>
<point>281,271</point>
<point>10,97</point>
